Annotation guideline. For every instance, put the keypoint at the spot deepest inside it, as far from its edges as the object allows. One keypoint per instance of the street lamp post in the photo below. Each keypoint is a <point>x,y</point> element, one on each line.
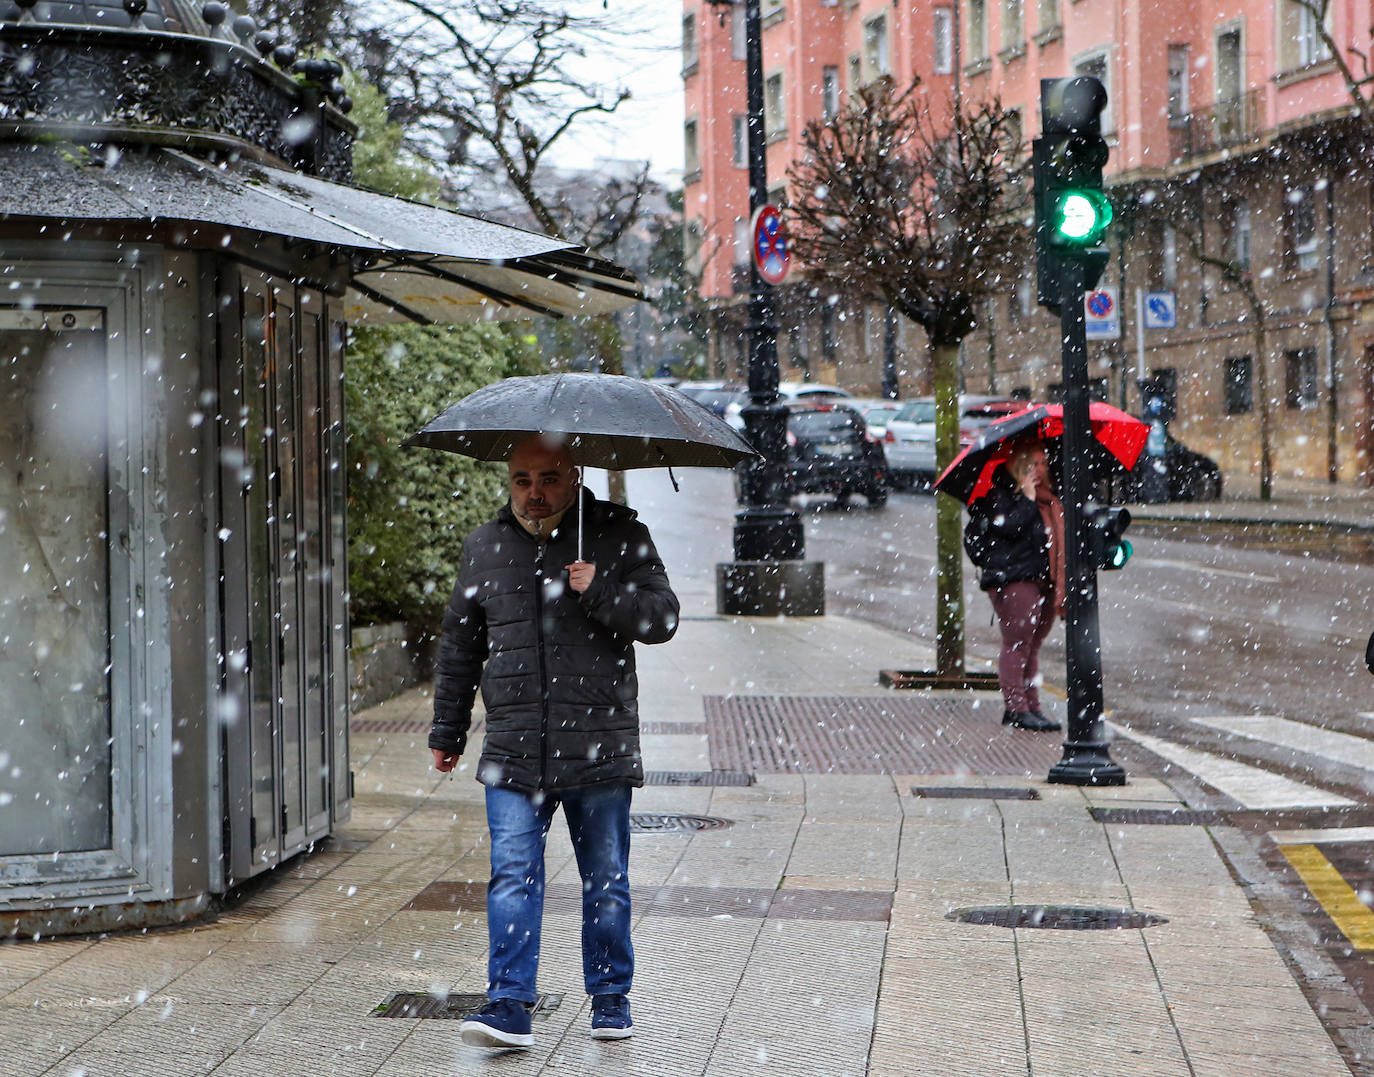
<point>768,576</point>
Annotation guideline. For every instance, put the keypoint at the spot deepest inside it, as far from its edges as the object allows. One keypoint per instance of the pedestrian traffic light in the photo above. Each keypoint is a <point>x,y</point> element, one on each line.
<point>1105,529</point>
<point>1071,211</point>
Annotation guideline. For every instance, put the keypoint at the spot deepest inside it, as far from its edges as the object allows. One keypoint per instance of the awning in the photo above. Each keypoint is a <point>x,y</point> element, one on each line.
<point>411,260</point>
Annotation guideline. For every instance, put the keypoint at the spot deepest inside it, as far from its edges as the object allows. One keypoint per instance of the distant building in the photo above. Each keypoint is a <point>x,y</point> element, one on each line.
<point>1237,112</point>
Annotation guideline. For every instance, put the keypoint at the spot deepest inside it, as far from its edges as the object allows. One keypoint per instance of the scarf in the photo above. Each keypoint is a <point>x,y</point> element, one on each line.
<point>1052,513</point>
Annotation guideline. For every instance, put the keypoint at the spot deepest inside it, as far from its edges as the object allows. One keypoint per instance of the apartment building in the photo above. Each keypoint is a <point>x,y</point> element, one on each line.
<point>1235,143</point>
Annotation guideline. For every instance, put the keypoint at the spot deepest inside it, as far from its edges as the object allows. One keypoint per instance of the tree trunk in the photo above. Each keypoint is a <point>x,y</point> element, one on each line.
<point>949,557</point>
<point>610,360</point>
<point>1262,391</point>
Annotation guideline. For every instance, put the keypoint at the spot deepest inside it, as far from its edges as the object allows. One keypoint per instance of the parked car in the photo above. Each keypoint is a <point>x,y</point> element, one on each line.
<point>1191,475</point>
<point>910,437</point>
<point>876,412</point>
<point>788,392</point>
<point>829,452</point>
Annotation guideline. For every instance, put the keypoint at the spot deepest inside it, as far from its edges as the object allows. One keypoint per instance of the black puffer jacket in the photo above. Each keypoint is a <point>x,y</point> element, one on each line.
<point>1017,542</point>
<point>556,669</point>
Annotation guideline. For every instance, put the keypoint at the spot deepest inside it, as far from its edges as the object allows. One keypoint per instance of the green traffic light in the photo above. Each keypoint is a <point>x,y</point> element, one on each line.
<point>1082,216</point>
<point>1120,555</point>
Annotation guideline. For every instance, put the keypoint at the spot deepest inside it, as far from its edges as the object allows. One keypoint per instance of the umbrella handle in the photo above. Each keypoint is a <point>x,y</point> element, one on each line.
<point>579,515</point>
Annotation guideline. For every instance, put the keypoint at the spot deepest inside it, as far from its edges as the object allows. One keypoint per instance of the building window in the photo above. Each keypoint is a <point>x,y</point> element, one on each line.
<point>1239,390</point>
<point>691,154</point>
<point>1300,378</point>
<point>1235,224</point>
<point>1178,83</point>
<point>977,30</point>
<point>773,122</point>
<point>1023,305</point>
<point>1301,220</point>
<point>830,93</point>
<point>692,236</point>
<point>1047,16</point>
<point>875,47</point>
<point>1013,34</point>
<point>942,40</point>
<point>742,238</point>
<point>1164,381</point>
<point>737,41</point>
<point>740,141</point>
<point>1302,44</point>
<point>1095,66</point>
<point>855,80</point>
<point>689,44</point>
<point>1168,258</point>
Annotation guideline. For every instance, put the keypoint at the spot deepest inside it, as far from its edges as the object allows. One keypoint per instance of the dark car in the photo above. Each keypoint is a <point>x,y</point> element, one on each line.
<point>1190,476</point>
<point>829,451</point>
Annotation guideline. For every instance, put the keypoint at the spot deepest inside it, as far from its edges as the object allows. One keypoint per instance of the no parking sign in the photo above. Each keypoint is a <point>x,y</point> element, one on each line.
<point>1101,315</point>
<point>772,253</point>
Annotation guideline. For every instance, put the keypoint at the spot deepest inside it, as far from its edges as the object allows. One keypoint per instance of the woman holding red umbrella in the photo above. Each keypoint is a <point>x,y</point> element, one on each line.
<point>1018,532</point>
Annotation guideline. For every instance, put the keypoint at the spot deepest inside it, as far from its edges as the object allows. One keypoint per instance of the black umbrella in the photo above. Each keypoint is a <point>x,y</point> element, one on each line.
<point>604,420</point>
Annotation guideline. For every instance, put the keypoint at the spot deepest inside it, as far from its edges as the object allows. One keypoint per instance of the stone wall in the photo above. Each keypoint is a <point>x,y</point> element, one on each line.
<point>387,659</point>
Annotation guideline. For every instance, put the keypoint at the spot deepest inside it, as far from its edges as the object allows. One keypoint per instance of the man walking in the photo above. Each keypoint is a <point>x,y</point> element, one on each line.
<point>549,638</point>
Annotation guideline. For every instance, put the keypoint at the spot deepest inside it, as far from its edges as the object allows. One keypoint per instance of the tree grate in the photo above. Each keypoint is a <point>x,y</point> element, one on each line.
<point>655,823</point>
<point>1157,816</point>
<point>424,1005</point>
<point>1055,917</point>
<point>697,777</point>
<point>955,792</point>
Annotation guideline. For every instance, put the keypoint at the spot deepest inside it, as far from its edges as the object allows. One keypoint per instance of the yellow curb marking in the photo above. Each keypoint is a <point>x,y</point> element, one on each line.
<point>1336,896</point>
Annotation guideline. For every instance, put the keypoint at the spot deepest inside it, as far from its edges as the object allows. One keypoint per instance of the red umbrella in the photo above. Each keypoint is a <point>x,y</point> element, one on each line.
<point>969,475</point>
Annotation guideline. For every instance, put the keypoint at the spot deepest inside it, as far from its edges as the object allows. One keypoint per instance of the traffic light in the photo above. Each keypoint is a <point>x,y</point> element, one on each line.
<point>1071,211</point>
<point>1105,529</point>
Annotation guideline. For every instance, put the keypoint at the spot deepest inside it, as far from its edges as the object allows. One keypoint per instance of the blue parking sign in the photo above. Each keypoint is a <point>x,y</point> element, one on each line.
<point>1160,311</point>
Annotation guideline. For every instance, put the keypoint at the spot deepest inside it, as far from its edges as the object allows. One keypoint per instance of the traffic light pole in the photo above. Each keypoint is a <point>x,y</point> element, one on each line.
<point>1086,759</point>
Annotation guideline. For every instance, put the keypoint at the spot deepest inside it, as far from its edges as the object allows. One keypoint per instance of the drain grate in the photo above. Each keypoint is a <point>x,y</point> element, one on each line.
<point>654,823</point>
<point>697,777</point>
<point>450,1007</point>
<point>674,729</point>
<point>955,792</point>
<point>887,734</point>
<point>1158,816</point>
<point>1056,917</point>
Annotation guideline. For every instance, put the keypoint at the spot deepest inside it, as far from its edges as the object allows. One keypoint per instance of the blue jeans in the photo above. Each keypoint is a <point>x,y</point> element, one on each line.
<point>598,818</point>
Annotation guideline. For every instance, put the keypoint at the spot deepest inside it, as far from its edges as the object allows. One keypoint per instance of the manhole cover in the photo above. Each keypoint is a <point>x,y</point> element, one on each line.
<point>449,1007</point>
<point>646,823</point>
<point>697,777</point>
<point>939,792</point>
<point>1056,917</point>
<point>1157,816</point>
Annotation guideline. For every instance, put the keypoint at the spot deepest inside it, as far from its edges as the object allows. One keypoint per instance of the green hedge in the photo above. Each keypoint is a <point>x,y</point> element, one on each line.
<point>409,509</point>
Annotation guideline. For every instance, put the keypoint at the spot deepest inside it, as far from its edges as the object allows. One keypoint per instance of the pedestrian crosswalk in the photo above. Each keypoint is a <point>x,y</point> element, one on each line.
<point>1251,786</point>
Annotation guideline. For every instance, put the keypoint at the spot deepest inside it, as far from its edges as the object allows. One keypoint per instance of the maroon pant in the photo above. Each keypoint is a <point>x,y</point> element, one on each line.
<point>1025,614</point>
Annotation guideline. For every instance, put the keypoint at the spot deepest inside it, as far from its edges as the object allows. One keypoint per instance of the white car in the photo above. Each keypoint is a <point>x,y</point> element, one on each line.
<point>909,442</point>
<point>789,392</point>
<point>877,412</point>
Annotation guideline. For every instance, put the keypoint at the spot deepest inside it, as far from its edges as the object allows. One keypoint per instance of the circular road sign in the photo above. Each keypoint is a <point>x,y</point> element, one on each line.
<point>1100,304</point>
<point>772,252</point>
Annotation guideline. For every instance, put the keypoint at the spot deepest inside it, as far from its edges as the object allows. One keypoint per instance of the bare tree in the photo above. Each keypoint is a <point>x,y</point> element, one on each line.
<point>893,205</point>
<point>1358,83</point>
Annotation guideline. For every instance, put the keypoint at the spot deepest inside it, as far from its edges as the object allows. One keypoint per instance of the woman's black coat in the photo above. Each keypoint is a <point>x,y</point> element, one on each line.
<point>1016,540</point>
<point>556,669</point>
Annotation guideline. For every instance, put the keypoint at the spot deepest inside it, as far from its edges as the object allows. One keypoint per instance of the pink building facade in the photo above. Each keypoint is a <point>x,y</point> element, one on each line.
<point>1233,137</point>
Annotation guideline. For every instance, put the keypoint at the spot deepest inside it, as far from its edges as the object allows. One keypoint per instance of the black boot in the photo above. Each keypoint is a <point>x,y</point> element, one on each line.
<point>1037,723</point>
<point>1050,726</point>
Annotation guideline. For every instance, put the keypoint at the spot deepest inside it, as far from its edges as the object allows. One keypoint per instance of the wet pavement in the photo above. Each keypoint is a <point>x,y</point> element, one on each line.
<point>846,911</point>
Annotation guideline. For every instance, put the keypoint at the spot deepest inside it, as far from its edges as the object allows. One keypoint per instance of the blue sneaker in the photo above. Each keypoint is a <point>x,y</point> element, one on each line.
<point>611,1017</point>
<point>502,1022</point>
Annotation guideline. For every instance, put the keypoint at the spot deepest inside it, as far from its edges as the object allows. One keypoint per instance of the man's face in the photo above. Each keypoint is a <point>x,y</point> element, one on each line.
<point>543,480</point>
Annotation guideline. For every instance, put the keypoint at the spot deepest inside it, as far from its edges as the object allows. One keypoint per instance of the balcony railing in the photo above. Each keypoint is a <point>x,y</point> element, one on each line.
<point>1229,121</point>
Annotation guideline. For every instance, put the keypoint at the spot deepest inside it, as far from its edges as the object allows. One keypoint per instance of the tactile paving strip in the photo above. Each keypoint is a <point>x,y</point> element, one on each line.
<point>697,777</point>
<point>697,902</point>
<point>871,735</point>
<point>1056,917</point>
